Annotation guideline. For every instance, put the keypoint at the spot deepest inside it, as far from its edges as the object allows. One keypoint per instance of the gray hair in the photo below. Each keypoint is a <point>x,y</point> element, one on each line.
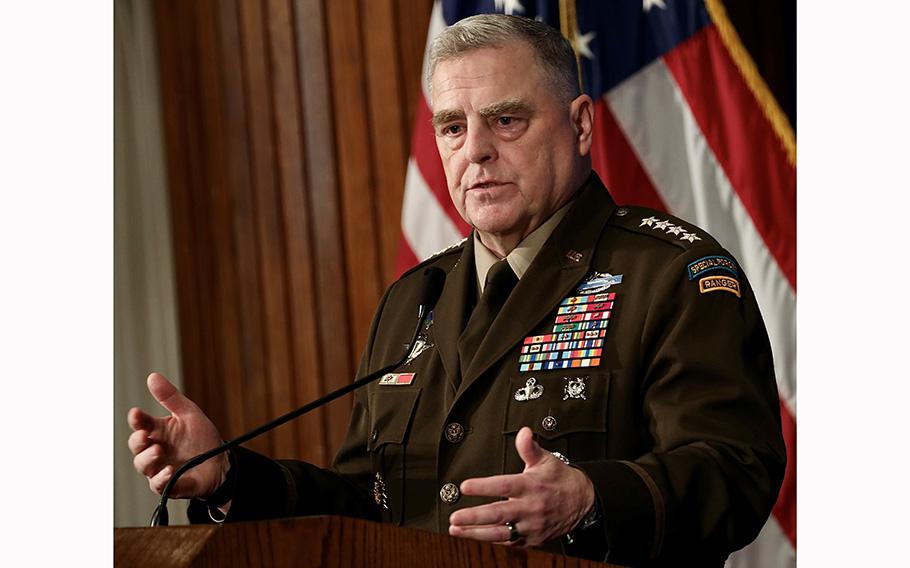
<point>554,53</point>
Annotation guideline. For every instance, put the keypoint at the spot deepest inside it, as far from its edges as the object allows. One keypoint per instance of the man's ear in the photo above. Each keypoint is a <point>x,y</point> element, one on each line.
<point>582,113</point>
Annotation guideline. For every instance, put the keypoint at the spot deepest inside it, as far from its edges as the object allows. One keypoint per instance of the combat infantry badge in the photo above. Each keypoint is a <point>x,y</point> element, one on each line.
<point>598,282</point>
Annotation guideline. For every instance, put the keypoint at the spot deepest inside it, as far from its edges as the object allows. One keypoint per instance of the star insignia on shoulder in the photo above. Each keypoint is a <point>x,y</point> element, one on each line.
<point>649,221</point>
<point>689,237</point>
<point>675,230</point>
<point>662,225</point>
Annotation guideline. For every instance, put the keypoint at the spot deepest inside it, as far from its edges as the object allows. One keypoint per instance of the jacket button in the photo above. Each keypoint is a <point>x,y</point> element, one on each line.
<point>449,493</point>
<point>374,434</point>
<point>454,432</point>
<point>548,423</point>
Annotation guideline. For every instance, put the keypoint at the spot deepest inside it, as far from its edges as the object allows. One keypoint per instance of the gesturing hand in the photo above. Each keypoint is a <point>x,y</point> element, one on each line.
<point>160,445</point>
<point>545,501</point>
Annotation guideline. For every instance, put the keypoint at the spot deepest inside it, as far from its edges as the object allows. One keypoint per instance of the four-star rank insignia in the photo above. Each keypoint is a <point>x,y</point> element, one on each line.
<point>669,228</point>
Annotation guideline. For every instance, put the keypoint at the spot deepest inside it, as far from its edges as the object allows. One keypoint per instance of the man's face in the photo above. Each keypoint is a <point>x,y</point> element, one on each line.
<point>511,150</point>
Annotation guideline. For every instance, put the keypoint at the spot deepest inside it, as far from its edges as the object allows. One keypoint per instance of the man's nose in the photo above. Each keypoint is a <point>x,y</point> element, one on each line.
<point>480,145</point>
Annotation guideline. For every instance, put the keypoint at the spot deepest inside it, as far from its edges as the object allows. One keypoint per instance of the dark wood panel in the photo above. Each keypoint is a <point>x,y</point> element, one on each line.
<point>354,166</point>
<point>222,304</point>
<point>334,364</point>
<point>412,21</point>
<point>287,127</point>
<point>301,305</point>
<point>387,128</point>
<point>247,393</point>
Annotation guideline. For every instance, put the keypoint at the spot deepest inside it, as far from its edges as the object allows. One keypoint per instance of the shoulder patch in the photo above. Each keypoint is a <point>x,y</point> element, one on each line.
<point>711,264</point>
<point>719,284</point>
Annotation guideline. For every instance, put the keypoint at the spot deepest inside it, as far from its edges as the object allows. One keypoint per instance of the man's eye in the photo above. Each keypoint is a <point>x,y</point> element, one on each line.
<point>452,129</point>
<point>505,120</point>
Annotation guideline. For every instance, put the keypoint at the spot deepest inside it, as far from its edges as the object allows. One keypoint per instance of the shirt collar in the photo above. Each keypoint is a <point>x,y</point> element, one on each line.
<point>522,255</point>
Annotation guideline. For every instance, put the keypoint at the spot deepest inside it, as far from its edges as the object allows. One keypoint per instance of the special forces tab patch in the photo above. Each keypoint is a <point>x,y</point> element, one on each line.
<point>711,263</point>
<point>719,283</point>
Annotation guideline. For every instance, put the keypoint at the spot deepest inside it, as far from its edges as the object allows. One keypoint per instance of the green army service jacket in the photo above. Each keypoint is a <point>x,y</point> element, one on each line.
<point>659,386</point>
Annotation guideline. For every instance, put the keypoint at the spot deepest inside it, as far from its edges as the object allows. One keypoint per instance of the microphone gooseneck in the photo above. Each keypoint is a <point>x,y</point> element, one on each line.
<point>434,279</point>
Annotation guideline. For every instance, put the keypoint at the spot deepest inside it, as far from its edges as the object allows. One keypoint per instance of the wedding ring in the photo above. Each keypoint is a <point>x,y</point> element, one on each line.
<point>513,532</point>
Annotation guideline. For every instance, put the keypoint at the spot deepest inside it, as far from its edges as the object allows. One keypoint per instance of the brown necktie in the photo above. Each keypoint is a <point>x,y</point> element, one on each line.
<point>499,284</point>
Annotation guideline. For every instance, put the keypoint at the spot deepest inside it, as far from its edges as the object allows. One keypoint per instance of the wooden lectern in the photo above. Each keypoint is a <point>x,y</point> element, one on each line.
<point>317,541</point>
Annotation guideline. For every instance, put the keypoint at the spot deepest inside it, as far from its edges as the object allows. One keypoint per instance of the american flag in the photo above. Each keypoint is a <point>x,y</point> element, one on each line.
<point>684,124</point>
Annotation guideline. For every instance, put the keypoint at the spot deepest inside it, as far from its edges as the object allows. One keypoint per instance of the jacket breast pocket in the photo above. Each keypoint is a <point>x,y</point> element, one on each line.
<point>391,415</point>
<point>567,413</point>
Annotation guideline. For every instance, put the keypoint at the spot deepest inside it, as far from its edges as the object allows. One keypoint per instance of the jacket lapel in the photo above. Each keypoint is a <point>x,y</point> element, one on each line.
<point>561,263</point>
<point>452,308</point>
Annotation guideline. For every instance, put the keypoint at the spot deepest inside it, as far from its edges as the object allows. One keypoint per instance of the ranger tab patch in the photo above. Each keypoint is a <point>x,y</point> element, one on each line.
<point>719,283</point>
<point>710,263</point>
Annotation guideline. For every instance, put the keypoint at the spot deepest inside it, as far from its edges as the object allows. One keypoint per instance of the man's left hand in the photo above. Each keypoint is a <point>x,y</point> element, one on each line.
<point>544,502</point>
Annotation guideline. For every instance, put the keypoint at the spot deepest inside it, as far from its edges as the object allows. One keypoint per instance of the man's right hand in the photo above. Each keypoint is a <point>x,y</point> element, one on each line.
<point>160,445</point>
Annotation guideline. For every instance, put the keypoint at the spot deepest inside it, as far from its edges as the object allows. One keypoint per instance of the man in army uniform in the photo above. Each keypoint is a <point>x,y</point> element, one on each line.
<point>595,379</point>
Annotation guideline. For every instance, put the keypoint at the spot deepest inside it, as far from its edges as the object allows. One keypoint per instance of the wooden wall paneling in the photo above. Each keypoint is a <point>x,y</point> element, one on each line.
<point>225,379</point>
<point>334,361</point>
<point>302,308</point>
<point>355,168</point>
<point>412,22</point>
<point>176,30</point>
<point>266,199</point>
<point>286,125</point>
<point>387,129</point>
<point>248,399</point>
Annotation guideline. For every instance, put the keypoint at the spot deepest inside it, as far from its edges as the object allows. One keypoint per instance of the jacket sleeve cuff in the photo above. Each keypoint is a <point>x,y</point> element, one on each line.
<point>633,509</point>
<point>263,490</point>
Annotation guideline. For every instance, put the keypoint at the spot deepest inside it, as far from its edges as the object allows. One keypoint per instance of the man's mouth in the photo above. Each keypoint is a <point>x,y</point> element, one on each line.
<point>486,184</point>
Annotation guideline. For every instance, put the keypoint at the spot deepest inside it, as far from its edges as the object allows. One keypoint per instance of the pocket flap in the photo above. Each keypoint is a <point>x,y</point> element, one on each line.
<point>391,412</point>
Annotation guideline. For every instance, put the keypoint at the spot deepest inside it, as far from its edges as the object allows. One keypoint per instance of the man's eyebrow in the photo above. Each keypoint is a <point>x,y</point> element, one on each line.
<point>507,107</point>
<point>445,116</point>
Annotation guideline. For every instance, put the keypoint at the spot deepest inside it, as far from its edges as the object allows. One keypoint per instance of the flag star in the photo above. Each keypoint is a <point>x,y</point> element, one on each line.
<point>648,4</point>
<point>583,44</point>
<point>676,230</point>
<point>690,237</point>
<point>509,7</point>
<point>662,225</point>
<point>649,221</point>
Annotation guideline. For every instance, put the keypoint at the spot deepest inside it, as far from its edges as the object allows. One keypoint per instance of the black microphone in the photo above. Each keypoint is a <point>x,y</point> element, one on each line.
<point>434,279</point>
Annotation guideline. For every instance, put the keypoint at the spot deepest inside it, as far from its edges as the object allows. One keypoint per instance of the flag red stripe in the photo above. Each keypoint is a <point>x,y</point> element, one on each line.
<point>785,508</point>
<point>423,149</point>
<point>742,139</point>
<point>616,163</point>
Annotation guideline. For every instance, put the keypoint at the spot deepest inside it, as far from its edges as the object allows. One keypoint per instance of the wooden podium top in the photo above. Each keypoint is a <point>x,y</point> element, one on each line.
<point>317,541</point>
